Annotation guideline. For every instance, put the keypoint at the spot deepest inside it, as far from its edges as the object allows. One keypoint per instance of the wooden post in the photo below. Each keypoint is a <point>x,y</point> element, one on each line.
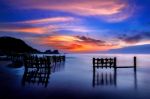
<point>134,59</point>
<point>93,62</point>
<point>115,62</point>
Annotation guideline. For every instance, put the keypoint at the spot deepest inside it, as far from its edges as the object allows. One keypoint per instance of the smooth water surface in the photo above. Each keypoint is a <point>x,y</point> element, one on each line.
<point>75,79</point>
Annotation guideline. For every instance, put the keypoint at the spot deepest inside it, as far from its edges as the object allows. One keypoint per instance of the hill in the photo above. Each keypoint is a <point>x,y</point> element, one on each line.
<point>13,45</point>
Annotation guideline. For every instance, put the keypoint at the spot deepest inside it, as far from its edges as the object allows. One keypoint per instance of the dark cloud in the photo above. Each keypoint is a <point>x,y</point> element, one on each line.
<point>87,39</point>
<point>94,41</point>
<point>142,36</point>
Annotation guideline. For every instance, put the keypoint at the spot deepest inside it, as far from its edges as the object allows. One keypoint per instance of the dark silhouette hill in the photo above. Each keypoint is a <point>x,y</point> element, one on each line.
<point>13,45</point>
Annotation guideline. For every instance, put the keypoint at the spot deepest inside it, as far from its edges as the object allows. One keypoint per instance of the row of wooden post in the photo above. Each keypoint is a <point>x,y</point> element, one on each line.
<point>105,62</point>
<point>42,62</point>
<point>111,63</point>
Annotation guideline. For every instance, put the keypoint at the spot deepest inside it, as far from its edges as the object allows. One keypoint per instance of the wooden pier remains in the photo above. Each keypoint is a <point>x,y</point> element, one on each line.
<point>42,62</point>
<point>38,69</point>
<point>107,77</point>
<point>104,62</point>
<point>36,76</point>
<point>111,63</point>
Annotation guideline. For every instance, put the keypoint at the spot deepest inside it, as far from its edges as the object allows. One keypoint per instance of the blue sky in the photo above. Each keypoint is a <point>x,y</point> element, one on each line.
<point>77,25</point>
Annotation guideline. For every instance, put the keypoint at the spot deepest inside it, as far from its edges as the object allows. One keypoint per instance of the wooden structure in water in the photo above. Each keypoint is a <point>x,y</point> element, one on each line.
<point>104,62</point>
<point>42,62</point>
<point>111,63</point>
<point>38,69</point>
<point>107,77</point>
<point>36,76</point>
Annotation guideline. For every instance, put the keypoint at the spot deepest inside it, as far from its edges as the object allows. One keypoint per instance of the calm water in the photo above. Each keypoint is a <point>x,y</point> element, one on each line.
<point>75,80</point>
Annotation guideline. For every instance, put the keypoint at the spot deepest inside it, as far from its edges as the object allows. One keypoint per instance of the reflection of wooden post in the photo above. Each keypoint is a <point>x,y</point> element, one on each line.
<point>135,79</point>
<point>134,59</point>
<point>94,76</point>
<point>115,76</point>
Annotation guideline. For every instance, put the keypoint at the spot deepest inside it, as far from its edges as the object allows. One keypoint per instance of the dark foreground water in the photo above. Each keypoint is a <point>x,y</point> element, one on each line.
<point>75,80</point>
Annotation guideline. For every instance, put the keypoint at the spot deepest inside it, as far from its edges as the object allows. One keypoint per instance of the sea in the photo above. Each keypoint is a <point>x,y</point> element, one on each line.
<point>76,79</point>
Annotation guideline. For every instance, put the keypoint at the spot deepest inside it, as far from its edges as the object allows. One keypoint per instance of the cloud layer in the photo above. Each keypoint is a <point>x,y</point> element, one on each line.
<point>109,10</point>
<point>41,26</point>
<point>71,25</point>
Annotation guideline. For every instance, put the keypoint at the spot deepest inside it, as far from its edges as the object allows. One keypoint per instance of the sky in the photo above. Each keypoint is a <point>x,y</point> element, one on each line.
<point>77,26</point>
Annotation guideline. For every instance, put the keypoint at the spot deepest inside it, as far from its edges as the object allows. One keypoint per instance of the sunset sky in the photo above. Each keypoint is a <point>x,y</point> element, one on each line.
<point>77,25</point>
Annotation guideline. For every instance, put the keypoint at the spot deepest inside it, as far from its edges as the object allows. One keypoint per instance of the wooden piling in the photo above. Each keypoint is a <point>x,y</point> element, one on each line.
<point>115,62</point>
<point>135,60</point>
<point>93,62</point>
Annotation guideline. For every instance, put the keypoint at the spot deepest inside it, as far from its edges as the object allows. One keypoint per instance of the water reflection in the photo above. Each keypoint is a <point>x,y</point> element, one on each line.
<point>58,67</point>
<point>135,79</point>
<point>41,76</point>
<point>105,77</point>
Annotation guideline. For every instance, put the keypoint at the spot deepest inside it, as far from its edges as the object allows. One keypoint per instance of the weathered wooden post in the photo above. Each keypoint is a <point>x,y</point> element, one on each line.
<point>48,61</point>
<point>106,62</point>
<point>64,58</point>
<point>115,62</point>
<point>134,60</point>
<point>102,62</point>
<point>93,62</point>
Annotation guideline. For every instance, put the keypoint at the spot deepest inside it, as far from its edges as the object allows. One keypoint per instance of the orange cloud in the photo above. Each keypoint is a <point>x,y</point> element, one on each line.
<point>24,30</point>
<point>76,43</point>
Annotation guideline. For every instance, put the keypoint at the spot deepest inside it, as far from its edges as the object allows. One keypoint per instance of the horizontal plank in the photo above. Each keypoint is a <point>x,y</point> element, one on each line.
<point>125,67</point>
